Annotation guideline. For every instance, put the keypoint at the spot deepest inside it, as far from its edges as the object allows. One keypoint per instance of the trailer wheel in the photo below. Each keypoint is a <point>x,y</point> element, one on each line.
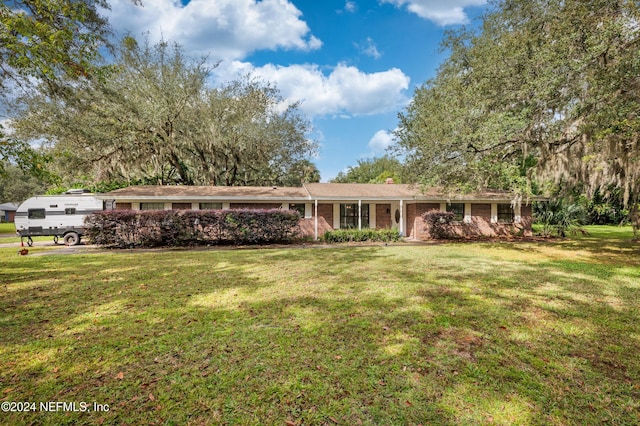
<point>30,241</point>
<point>55,239</point>
<point>72,239</point>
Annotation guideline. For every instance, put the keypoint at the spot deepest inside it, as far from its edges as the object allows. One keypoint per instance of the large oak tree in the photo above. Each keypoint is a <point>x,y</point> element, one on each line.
<point>50,43</point>
<point>46,40</point>
<point>156,120</point>
<point>547,89</point>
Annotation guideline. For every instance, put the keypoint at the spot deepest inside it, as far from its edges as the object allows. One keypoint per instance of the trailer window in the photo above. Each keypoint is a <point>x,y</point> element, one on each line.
<point>37,214</point>
<point>70,211</point>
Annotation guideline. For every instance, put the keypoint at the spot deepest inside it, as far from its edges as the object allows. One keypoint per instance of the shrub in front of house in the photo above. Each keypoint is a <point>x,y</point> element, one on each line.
<point>355,235</point>
<point>439,224</point>
<point>166,228</point>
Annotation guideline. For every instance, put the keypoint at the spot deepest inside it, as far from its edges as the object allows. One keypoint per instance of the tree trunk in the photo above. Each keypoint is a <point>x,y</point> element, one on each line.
<point>634,215</point>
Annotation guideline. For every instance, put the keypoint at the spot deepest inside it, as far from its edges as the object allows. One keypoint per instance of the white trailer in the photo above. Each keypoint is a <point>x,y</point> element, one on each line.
<point>60,216</point>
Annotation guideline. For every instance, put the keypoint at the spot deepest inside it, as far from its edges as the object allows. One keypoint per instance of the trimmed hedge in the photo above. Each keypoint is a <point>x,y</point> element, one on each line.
<point>355,235</point>
<point>161,228</point>
<point>440,224</point>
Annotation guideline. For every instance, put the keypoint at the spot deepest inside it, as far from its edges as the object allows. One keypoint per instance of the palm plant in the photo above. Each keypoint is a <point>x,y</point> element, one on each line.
<point>559,217</point>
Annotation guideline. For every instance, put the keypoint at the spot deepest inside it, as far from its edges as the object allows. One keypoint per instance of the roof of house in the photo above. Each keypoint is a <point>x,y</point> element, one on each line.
<point>310,191</point>
<point>396,191</point>
<point>208,192</point>
<point>488,195</point>
<point>359,190</point>
<point>8,207</point>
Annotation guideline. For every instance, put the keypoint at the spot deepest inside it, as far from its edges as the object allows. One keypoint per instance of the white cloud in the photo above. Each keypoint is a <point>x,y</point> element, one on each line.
<point>345,91</point>
<point>225,29</point>
<point>350,6</point>
<point>7,125</point>
<point>230,30</point>
<point>441,12</point>
<point>380,142</point>
<point>369,48</point>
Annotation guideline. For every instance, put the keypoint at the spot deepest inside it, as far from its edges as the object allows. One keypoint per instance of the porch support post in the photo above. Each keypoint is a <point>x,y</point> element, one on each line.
<point>401,224</point>
<point>359,215</point>
<point>315,235</point>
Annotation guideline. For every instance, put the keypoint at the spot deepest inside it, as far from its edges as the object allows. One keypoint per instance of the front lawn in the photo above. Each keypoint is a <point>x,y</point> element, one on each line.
<point>7,228</point>
<point>460,333</point>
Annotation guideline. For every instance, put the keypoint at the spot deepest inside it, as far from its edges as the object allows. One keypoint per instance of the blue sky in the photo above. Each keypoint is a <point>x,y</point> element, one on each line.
<point>353,64</point>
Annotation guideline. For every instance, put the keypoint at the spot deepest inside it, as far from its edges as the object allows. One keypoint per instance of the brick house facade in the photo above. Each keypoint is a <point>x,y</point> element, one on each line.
<point>327,206</point>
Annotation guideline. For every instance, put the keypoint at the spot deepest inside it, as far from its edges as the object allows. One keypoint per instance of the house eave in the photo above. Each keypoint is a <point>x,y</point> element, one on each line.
<point>200,198</point>
<point>356,198</point>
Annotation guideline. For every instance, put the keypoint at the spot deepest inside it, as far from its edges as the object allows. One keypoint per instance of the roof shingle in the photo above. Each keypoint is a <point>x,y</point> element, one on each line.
<point>359,190</point>
<point>311,191</point>
<point>209,191</point>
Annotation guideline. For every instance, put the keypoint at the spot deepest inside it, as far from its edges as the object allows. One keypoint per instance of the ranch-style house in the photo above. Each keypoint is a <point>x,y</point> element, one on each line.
<point>330,206</point>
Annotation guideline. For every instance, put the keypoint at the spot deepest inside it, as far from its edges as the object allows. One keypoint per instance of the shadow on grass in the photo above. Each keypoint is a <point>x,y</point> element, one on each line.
<point>603,242</point>
<point>353,336</point>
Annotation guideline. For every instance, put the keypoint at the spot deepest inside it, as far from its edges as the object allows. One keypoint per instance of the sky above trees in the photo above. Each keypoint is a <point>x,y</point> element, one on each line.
<point>353,64</point>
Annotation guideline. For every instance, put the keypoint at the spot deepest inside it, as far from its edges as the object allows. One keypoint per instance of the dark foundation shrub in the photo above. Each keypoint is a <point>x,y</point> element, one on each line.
<point>439,224</point>
<point>161,228</point>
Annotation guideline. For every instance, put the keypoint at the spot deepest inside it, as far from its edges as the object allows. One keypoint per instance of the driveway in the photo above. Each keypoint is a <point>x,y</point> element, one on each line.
<point>59,248</point>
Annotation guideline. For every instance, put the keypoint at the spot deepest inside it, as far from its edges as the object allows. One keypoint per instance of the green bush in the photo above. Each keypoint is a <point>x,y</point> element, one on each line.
<point>128,228</point>
<point>355,235</point>
<point>558,217</point>
<point>439,224</point>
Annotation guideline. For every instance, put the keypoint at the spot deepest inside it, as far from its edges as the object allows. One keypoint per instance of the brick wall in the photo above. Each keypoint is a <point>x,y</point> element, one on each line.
<point>307,227</point>
<point>480,225</point>
<point>415,224</point>
<point>383,216</point>
<point>325,211</point>
<point>526,214</point>
<point>482,211</point>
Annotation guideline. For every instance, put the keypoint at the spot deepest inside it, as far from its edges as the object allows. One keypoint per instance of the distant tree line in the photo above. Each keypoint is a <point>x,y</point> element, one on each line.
<point>372,170</point>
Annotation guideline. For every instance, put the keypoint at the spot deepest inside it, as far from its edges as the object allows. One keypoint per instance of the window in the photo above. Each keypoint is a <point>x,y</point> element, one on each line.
<point>124,206</point>
<point>505,213</point>
<point>36,214</point>
<point>299,207</point>
<point>181,206</point>
<point>349,215</point>
<point>71,210</point>
<point>151,206</point>
<point>458,211</point>
<point>210,206</point>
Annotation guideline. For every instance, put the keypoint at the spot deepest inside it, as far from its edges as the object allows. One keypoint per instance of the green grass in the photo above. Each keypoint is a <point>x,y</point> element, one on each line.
<point>10,229</point>
<point>461,333</point>
<point>7,228</point>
